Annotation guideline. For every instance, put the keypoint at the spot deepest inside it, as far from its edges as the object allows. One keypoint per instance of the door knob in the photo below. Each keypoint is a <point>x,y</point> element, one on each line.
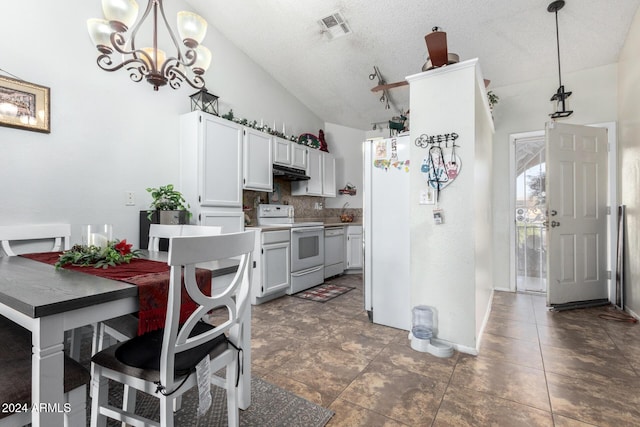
<point>545,224</point>
<point>554,224</point>
<point>554,212</point>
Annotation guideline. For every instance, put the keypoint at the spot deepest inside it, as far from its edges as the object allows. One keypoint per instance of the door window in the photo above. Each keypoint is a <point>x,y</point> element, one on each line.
<point>531,217</point>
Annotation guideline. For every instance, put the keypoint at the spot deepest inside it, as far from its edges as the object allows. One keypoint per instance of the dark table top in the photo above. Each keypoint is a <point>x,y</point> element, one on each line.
<point>37,289</point>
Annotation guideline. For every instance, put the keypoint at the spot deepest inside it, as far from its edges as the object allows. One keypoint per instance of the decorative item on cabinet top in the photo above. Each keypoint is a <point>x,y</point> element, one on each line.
<point>306,139</point>
<point>202,100</point>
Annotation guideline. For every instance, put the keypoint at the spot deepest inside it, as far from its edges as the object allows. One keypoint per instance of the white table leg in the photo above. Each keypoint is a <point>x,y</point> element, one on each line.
<point>47,372</point>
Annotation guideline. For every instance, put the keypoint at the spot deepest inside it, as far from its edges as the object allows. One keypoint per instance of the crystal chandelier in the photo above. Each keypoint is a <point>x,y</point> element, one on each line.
<point>111,35</point>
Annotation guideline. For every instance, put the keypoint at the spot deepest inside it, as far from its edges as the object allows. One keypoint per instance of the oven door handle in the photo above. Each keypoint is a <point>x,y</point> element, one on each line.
<point>306,229</point>
<point>307,271</point>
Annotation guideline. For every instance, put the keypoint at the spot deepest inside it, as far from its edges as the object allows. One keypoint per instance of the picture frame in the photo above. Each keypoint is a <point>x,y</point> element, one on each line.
<point>24,105</point>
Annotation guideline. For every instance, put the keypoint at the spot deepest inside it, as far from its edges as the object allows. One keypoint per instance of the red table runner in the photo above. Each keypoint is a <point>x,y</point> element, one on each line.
<point>152,280</point>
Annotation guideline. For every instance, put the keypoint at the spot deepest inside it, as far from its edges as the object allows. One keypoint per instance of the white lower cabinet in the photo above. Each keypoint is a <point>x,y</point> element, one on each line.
<point>272,258</point>
<point>354,255</point>
<point>334,247</point>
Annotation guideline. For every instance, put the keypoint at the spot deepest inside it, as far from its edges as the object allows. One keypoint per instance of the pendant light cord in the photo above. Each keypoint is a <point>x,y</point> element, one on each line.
<point>558,46</point>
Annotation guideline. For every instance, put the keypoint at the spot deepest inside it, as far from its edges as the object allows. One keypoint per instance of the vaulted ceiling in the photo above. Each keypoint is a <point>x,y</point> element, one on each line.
<point>515,41</point>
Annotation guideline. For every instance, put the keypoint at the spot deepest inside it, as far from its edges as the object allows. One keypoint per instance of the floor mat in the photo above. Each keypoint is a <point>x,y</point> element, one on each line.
<point>324,292</point>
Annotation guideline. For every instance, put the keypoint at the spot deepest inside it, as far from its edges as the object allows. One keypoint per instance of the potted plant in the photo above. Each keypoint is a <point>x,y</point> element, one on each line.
<point>169,205</point>
<point>493,99</point>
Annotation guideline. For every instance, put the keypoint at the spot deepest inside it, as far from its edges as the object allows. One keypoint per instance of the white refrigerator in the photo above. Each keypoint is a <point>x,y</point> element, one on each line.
<point>386,231</point>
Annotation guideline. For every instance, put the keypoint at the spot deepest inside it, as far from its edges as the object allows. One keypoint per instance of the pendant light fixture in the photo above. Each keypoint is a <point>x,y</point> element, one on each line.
<point>111,35</point>
<point>560,96</point>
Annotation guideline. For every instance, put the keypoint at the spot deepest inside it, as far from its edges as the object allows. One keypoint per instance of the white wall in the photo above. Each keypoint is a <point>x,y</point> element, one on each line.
<point>345,144</point>
<point>629,159</point>
<point>108,134</point>
<point>526,107</point>
<point>447,272</point>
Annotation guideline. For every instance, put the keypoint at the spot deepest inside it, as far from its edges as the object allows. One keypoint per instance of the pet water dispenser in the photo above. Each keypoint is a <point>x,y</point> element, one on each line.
<point>421,335</point>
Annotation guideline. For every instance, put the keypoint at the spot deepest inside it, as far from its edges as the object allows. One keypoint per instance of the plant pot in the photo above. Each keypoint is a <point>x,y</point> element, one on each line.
<point>173,217</point>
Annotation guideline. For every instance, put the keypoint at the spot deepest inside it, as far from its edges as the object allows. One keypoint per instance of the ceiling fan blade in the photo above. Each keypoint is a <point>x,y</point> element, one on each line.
<point>437,46</point>
<point>388,86</point>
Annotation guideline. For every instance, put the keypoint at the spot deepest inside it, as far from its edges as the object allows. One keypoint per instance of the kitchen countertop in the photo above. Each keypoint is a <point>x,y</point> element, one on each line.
<point>330,223</point>
<point>338,223</point>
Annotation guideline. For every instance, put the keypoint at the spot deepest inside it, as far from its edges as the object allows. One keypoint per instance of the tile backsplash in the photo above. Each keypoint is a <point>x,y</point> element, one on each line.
<point>306,207</point>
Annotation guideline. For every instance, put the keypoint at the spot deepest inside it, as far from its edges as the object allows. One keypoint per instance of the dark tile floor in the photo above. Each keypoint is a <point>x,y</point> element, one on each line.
<point>535,367</point>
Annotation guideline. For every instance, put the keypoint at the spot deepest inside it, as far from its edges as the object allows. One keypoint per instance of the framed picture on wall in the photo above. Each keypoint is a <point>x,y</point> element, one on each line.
<point>24,105</point>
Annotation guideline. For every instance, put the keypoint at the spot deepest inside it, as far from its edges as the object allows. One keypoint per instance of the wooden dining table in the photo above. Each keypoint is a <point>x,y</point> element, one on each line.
<point>49,302</point>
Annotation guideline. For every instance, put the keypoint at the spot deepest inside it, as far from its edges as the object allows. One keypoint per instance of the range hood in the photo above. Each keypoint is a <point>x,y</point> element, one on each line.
<point>290,174</point>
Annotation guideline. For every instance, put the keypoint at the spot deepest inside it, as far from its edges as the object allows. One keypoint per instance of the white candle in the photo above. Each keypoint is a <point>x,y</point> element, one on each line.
<point>99,240</point>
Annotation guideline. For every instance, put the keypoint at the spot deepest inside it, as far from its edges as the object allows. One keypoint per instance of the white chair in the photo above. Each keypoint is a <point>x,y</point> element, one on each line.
<point>166,231</point>
<point>15,381</point>
<point>168,372</point>
<point>162,231</point>
<point>58,234</point>
<point>126,327</point>
<point>22,238</point>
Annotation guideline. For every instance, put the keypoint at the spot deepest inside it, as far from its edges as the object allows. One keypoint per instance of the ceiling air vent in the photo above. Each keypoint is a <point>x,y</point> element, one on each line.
<point>334,26</point>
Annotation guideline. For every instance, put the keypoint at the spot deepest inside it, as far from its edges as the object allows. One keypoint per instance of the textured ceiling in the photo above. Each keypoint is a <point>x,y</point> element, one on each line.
<point>515,41</point>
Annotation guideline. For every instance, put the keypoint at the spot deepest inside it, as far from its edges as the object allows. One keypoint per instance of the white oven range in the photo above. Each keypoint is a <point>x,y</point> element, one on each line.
<point>307,245</point>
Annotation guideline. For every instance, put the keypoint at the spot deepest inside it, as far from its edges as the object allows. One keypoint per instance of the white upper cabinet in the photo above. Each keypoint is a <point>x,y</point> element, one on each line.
<point>258,161</point>
<point>289,153</point>
<point>298,156</point>
<point>328,175</point>
<point>210,161</point>
<point>321,168</point>
<point>281,151</point>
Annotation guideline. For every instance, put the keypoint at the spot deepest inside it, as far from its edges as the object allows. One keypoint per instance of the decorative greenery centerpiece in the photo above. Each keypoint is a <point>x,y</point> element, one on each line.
<point>167,199</point>
<point>115,252</point>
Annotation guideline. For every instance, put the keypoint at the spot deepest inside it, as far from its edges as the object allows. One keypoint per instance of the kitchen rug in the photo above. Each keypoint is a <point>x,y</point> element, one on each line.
<point>271,406</point>
<point>324,292</point>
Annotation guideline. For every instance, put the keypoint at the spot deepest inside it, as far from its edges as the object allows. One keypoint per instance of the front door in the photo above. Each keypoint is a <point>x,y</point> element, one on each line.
<point>577,213</point>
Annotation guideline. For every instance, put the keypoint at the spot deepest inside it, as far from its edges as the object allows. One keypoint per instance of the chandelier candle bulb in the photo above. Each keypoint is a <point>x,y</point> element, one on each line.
<point>100,33</point>
<point>192,28</point>
<point>120,13</point>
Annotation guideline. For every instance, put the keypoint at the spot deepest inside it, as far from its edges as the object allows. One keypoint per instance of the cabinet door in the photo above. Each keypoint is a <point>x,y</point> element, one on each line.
<point>275,267</point>
<point>313,186</point>
<point>258,161</point>
<point>282,151</point>
<point>298,156</point>
<point>231,221</point>
<point>220,162</point>
<point>354,247</point>
<point>328,175</point>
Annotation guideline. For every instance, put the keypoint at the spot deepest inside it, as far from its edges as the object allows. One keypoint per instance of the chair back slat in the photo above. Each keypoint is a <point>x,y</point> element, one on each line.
<point>185,252</point>
<point>166,231</point>
<point>59,234</point>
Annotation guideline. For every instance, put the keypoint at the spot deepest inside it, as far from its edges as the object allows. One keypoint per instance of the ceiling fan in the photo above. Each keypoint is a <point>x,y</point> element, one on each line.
<point>436,42</point>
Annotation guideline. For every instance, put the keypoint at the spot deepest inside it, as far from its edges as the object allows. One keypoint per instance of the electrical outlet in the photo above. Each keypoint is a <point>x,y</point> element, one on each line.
<point>130,198</point>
